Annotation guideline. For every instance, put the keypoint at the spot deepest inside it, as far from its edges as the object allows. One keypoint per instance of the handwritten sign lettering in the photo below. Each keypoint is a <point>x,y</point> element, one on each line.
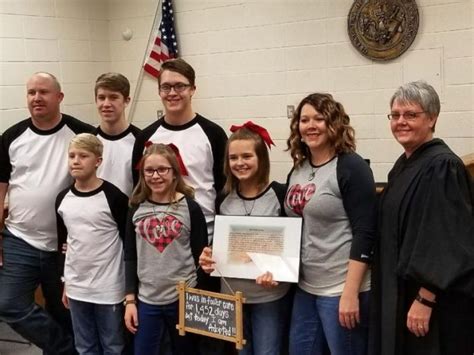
<point>211,314</point>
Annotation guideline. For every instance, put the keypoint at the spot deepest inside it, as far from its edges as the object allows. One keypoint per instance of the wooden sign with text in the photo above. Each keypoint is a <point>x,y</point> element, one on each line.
<point>211,314</point>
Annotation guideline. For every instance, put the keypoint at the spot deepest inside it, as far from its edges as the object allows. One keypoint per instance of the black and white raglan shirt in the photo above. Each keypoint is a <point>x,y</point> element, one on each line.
<point>93,225</point>
<point>34,164</point>
<point>267,203</point>
<point>116,164</point>
<point>337,202</point>
<point>163,242</point>
<point>201,144</point>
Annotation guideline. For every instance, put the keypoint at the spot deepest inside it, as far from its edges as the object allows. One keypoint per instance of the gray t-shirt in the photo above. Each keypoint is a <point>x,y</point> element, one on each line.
<point>162,243</point>
<point>268,203</point>
<point>314,193</point>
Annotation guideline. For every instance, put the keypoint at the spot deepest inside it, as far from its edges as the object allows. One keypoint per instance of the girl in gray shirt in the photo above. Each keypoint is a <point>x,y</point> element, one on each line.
<point>166,232</point>
<point>248,192</point>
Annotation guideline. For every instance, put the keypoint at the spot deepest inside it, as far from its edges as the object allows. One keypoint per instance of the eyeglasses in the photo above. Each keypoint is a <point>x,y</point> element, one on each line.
<point>161,170</point>
<point>409,116</point>
<point>178,87</point>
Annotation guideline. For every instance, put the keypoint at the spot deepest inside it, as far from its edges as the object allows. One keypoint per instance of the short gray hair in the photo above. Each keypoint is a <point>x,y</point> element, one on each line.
<point>421,93</point>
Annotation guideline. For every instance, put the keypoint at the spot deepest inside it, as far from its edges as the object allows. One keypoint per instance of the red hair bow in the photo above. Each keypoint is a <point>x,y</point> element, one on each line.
<point>148,143</point>
<point>182,168</point>
<point>175,150</point>
<point>262,132</point>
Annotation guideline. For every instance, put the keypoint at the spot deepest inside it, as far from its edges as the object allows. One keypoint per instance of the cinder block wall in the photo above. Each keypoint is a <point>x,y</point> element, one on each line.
<point>252,58</point>
<point>69,38</point>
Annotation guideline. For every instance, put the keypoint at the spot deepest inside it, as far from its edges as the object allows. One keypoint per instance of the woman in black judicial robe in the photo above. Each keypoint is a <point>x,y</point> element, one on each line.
<point>423,277</point>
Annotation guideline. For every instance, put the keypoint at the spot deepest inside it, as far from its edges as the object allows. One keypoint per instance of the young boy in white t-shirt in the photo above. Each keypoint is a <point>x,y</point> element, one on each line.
<point>91,218</point>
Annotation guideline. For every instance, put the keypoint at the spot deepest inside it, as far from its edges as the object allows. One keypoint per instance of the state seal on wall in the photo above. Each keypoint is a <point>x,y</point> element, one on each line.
<point>382,29</point>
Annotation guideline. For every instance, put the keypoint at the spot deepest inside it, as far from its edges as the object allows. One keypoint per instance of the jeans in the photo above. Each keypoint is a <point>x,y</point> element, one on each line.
<point>264,324</point>
<point>26,267</point>
<point>98,328</point>
<point>153,322</point>
<point>315,325</point>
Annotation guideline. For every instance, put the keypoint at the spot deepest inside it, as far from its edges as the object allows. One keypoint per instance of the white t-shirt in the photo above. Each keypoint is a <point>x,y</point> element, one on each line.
<point>94,224</point>
<point>116,164</point>
<point>34,164</point>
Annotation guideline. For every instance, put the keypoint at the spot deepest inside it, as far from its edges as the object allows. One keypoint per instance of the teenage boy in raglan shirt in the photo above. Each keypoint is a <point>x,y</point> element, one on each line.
<point>112,96</point>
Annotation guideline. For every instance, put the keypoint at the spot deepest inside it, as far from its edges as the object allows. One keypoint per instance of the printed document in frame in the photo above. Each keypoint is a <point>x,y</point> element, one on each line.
<point>248,246</point>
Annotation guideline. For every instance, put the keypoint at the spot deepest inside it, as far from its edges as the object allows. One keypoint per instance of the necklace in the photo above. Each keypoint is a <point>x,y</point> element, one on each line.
<point>247,212</point>
<point>162,212</point>
<point>315,168</point>
<point>312,174</point>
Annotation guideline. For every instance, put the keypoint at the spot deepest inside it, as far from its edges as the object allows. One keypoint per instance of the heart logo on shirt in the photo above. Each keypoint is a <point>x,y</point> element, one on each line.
<point>159,232</point>
<point>298,196</point>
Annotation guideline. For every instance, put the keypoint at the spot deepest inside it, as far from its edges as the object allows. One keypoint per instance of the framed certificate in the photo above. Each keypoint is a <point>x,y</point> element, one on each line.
<point>247,246</point>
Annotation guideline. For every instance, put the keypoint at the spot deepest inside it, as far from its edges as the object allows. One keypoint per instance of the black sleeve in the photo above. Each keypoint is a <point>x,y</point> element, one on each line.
<point>218,140</point>
<point>198,238</point>
<point>137,154</point>
<point>6,140</point>
<point>135,130</point>
<point>5,165</point>
<point>357,186</point>
<point>139,146</point>
<point>78,126</point>
<point>97,131</point>
<point>218,147</point>
<point>118,204</point>
<point>438,247</point>
<point>288,177</point>
<point>280,191</point>
<point>219,199</point>
<point>62,232</point>
<point>130,254</point>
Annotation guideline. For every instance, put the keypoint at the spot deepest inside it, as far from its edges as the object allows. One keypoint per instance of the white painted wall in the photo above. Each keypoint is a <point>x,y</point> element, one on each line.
<point>252,58</point>
<point>68,38</point>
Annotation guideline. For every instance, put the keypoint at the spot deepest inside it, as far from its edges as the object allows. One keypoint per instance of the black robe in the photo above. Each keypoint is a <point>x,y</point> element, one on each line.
<point>426,239</point>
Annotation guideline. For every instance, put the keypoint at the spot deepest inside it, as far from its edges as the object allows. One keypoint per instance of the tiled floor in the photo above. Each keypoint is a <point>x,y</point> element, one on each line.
<point>10,348</point>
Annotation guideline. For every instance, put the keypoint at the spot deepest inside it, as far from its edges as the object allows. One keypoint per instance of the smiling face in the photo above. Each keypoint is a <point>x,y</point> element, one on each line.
<point>43,97</point>
<point>411,133</point>
<point>111,105</point>
<point>176,103</point>
<point>243,160</point>
<point>160,184</point>
<point>313,130</point>
<point>82,163</point>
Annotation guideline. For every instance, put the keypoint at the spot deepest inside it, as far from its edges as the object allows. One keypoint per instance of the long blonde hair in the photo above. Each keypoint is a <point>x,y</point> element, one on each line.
<point>142,192</point>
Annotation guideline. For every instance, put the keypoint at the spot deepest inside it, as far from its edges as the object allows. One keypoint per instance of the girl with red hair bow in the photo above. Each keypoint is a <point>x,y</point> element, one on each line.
<point>248,192</point>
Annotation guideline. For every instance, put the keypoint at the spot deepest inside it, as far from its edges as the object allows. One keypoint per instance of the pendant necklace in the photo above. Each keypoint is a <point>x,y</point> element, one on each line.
<point>162,213</point>
<point>247,212</point>
<point>312,174</point>
<point>315,168</point>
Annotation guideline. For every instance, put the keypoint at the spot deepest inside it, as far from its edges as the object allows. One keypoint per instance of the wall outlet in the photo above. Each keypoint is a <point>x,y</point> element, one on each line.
<point>290,110</point>
<point>159,113</point>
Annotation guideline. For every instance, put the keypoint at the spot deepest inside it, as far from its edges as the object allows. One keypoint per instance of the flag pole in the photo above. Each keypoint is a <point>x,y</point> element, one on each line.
<point>138,86</point>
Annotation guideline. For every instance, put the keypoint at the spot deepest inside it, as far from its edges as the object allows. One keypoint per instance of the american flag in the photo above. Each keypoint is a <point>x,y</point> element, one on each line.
<point>166,45</point>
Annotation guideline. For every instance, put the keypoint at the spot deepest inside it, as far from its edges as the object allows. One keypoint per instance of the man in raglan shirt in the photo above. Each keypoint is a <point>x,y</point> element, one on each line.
<point>33,170</point>
<point>201,142</point>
